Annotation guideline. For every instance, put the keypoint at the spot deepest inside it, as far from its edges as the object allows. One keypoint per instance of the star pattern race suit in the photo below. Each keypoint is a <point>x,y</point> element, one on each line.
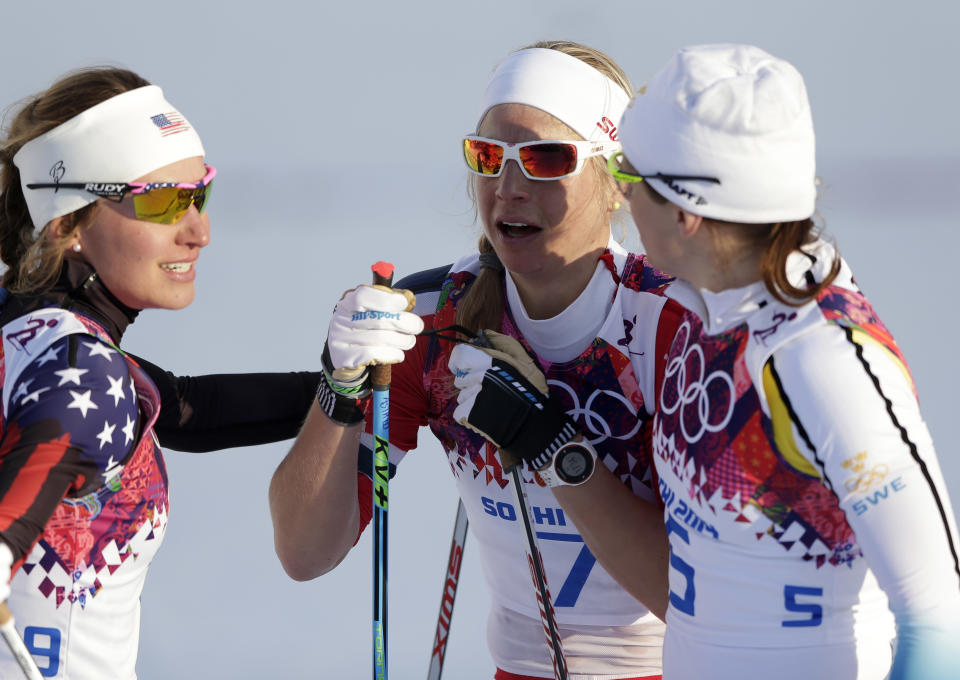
<point>83,494</point>
<point>801,491</point>
<point>607,634</point>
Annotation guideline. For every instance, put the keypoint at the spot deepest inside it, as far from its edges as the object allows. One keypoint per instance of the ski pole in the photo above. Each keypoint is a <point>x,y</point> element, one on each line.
<point>449,595</point>
<point>539,576</point>
<point>380,382</point>
<point>15,642</point>
<point>535,562</point>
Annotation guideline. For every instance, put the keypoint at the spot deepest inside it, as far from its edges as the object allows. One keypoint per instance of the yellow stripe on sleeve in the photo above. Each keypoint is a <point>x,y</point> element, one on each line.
<point>783,427</point>
<point>864,339</point>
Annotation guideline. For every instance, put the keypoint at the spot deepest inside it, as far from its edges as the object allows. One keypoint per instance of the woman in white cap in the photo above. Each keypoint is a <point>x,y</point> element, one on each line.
<point>104,188</point>
<point>549,276</point>
<point>803,498</point>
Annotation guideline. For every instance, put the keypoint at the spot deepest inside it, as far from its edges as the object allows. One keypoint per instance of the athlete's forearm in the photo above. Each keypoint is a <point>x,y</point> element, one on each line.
<point>625,533</point>
<point>313,498</point>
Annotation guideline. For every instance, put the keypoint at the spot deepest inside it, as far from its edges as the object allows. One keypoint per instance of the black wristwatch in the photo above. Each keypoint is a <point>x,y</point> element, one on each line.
<point>572,465</point>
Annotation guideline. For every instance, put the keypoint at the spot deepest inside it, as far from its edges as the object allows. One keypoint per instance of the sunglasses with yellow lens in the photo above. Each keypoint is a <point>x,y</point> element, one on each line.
<point>162,202</point>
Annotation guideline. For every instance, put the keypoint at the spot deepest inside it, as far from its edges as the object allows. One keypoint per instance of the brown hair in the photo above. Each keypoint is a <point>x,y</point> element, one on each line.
<point>34,262</point>
<point>776,241</point>
<point>482,306</point>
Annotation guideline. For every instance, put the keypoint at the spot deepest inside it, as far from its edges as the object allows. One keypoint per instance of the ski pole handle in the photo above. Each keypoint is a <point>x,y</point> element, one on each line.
<point>380,373</point>
<point>382,274</point>
<point>16,645</point>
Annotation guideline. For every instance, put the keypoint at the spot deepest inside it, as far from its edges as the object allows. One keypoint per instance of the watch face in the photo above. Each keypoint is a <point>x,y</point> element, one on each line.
<point>574,464</point>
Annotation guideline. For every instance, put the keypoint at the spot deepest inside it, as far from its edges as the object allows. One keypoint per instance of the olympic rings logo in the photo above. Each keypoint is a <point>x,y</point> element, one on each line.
<point>592,420</point>
<point>696,390</point>
<point>862,482</point>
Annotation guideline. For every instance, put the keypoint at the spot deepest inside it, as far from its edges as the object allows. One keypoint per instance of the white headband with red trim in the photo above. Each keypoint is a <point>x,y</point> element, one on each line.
<point>563,86</point>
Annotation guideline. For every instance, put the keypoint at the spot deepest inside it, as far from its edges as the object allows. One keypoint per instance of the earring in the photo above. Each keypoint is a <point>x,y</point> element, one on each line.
<point>616,205</point>
<point>77,247</point>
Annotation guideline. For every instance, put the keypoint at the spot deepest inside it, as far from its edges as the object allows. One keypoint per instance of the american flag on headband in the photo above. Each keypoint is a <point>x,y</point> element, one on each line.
<point>170,123</point>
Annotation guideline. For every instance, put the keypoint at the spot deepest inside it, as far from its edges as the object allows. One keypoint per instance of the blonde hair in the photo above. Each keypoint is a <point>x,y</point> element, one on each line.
<point>482,306</point>
<point>34,261</point>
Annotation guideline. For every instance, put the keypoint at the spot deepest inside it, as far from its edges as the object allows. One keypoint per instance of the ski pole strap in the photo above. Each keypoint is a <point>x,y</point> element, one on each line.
<point>344,402</point>
<point>341,410</point>
<point>456,328</point>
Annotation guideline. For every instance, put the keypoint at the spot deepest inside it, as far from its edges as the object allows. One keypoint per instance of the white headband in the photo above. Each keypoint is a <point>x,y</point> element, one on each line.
<point>118,140</point>
<point>733,112</point>
<point>565,87</point>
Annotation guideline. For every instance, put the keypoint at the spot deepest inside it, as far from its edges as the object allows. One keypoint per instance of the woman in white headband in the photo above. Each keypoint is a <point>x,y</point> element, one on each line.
<point>547,275</point>
<point>803,498</point>
<point>102,214</point>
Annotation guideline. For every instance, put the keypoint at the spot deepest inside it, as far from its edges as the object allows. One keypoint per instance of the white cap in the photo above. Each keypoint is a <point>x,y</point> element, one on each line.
<point>118,140</point>
<point>567,88</point>
<point>733,112</point>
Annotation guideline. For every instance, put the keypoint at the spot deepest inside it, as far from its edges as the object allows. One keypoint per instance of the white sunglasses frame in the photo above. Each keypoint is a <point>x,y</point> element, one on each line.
<point>511,151</point>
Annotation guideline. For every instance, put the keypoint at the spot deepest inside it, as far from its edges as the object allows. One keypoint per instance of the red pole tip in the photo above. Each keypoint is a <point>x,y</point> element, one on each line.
<point>383,269</point>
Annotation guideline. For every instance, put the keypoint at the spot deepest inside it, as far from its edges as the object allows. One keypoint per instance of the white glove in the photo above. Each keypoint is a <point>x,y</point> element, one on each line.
<point>372,325</point>
<point>6,563</point>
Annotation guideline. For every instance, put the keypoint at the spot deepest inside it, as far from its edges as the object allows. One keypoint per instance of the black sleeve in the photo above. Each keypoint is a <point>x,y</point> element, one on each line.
<point>221,411</point>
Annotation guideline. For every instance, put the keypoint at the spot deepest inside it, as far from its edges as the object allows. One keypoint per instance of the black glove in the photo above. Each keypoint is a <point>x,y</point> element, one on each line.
<point>504,397</point>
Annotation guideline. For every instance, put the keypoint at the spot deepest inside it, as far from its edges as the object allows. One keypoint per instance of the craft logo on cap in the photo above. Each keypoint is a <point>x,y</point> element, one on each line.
<point>683,193</point>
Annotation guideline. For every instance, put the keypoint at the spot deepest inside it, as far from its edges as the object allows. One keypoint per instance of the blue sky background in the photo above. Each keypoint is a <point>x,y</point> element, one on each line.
<point>336,130</point>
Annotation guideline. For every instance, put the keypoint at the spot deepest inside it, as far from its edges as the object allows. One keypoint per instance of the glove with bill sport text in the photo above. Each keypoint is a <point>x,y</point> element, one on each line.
<point>370,325</point>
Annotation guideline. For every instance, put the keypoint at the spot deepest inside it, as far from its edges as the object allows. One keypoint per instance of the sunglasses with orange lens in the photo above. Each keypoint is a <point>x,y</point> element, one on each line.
<point>539,160</point>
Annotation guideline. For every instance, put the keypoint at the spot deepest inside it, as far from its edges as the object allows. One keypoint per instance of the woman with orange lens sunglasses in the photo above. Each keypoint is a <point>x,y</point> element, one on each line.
<point>549,276</point>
